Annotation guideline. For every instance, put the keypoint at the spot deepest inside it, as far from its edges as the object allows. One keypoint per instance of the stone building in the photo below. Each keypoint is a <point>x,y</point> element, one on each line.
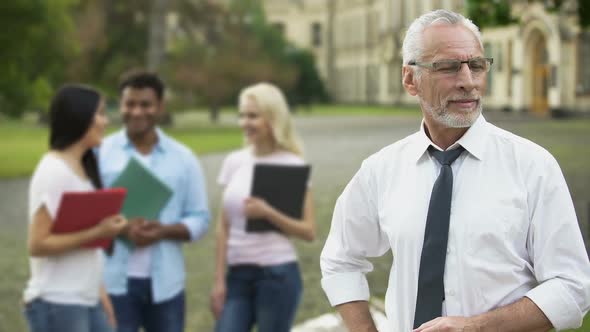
<point>541,63</point>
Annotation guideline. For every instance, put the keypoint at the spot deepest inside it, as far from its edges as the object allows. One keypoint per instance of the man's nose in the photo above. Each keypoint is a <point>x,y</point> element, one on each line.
<point>135,109</point>
<point>465,78</point>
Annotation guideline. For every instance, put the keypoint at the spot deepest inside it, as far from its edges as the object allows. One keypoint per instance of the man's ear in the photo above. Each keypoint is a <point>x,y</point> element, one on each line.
<point>161,106</point>
<point>408,80</point>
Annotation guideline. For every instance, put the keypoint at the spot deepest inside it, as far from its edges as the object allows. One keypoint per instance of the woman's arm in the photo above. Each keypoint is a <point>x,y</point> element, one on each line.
<point>218,293</point>
<point>304,228</point>
<point>107,305</point>
<point>42,242</point>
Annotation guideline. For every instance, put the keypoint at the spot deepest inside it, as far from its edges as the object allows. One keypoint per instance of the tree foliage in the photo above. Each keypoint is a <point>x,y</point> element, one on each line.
<point>113,37</point>
<point>226,48</point>
<point>583,11</point>
<point>486,13</point>
<point>218,48</point>
<point>36,43</point>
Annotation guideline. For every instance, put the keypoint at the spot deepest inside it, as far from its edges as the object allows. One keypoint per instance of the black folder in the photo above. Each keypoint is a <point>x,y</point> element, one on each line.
<point>283,187</point>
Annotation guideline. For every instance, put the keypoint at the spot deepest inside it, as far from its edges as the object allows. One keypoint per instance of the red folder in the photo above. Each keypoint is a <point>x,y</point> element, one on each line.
<point>82,210</point>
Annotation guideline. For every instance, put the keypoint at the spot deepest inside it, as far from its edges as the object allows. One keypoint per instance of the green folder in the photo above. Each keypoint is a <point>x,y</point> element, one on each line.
<point>146,194</point>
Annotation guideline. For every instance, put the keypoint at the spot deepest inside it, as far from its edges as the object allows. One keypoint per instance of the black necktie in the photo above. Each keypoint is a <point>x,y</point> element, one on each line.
<point>432,261</point>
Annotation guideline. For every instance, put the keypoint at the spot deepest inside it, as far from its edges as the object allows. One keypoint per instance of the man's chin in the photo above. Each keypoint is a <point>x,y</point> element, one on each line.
<point>137,131</point>
<point>460,120</point>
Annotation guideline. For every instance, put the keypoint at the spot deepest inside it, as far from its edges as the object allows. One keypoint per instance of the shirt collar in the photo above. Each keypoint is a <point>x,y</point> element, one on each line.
<point>128,145</point>
<point>473,140</point>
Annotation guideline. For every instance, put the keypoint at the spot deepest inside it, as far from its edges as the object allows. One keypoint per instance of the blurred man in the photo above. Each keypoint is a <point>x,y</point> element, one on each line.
<point>146,280</point>
<point>480,221</point>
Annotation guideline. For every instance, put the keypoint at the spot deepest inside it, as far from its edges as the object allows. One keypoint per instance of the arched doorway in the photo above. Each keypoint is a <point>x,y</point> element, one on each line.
<point>539,73</point>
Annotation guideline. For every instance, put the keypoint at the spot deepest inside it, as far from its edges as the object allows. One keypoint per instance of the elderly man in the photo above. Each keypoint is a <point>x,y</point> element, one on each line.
<point>480,221</point>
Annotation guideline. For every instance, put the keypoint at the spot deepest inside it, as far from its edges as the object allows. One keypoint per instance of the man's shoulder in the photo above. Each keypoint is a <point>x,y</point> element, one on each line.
<point>397,148</point>
<point>176,147</point>
<point>111,141</point>
<point>521,146</point>
<point>388,158</point>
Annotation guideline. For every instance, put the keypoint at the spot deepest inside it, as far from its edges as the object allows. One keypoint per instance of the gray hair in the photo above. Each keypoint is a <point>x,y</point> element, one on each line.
<point>412,48</point>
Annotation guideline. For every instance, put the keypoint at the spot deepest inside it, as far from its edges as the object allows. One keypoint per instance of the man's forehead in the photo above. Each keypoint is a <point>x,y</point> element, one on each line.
<point>450,40</point>
<point>139,93</point>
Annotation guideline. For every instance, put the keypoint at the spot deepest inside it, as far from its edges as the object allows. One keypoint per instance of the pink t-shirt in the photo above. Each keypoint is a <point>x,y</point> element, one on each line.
<point>266,248</point>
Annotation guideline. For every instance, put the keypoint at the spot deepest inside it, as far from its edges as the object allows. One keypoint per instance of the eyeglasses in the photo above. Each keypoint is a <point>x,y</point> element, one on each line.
<point>476,65</point>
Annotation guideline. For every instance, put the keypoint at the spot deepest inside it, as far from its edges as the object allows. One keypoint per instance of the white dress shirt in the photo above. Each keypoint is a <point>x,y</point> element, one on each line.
<point>513,229</point>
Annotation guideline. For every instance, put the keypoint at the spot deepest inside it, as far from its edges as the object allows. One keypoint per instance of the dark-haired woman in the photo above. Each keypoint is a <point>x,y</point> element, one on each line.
<point>65,291</point>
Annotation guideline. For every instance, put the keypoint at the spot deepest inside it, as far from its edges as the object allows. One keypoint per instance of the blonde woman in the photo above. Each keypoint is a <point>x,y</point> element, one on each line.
<point>262,283</point>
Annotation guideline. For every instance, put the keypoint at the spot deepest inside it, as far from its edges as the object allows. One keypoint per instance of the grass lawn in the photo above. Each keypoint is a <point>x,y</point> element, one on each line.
<point>327,109</point>
<point>22,143</point>
<point>357,110</point>
<point>585,326</point>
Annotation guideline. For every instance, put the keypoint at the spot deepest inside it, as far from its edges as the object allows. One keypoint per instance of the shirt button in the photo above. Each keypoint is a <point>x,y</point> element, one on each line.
<point>450,292</point>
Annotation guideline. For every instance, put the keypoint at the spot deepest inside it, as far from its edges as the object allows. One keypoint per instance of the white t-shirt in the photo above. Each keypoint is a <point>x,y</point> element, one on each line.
<point>264,249</point>
<point>74,277</point>
<point>140,260</point>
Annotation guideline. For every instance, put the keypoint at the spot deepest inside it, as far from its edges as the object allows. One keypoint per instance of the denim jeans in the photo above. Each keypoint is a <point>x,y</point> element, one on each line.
<point>43,316</point>
<point>265,296</point>
<point>136,309</point>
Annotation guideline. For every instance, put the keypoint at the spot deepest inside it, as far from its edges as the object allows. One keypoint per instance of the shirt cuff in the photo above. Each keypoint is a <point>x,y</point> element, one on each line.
<point>557,304</point>
<point>197,227</point>
<point>346,287</point>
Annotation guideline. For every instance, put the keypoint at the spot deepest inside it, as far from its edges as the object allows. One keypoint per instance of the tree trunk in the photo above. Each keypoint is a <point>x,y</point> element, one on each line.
<point>214,113</point>
<point>157,34</point>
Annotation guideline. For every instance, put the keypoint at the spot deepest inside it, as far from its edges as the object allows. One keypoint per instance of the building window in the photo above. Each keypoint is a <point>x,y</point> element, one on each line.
<point>489,52</point>
<point>509,68</point>
<point>394,79</point>
<point>498,60</point>
<point>583,67</point>
<point>372,85</point>
<point>316,34</point>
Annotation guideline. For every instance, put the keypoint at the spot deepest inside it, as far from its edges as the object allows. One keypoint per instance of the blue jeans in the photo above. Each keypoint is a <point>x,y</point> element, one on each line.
<point>43,316</point>
<point>137,309</point>
<point>263,296</point>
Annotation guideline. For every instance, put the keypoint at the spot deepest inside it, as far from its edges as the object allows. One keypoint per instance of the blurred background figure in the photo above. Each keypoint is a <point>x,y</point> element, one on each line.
<point>262,284</point>
<point>146,280</point>
<point>65,291</point>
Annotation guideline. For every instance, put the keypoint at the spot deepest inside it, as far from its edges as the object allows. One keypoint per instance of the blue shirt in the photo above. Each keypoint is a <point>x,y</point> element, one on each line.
<point>178,167</point>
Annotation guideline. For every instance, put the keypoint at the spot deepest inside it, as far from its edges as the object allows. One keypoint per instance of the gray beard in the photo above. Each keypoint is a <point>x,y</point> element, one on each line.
<point>448,119</point>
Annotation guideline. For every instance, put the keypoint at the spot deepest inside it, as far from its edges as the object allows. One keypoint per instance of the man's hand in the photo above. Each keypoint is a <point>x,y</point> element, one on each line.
<point>144,233</point>
<point>448,324</point>
<point>132,230</point>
